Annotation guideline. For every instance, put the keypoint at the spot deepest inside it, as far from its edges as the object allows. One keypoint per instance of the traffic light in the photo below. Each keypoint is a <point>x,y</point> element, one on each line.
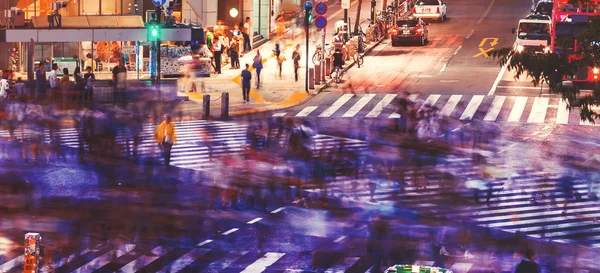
<point>153,31</point>
<point>308,11</point>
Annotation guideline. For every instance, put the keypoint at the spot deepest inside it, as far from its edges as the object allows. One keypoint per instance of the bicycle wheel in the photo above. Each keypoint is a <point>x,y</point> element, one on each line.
<point>360,61</point>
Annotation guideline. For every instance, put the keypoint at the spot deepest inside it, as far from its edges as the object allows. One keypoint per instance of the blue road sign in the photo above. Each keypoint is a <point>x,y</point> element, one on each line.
<point>159,2</point>
<point>307,4</point>
<point>320,22</point>
<point>321,8</point>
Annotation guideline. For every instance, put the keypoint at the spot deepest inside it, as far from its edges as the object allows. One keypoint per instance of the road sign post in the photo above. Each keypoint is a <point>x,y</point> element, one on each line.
<point>322,61</point>
<point>346,7</point>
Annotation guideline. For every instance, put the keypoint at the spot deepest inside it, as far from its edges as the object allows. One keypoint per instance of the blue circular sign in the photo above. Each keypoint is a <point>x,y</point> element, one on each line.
<point>320,22</point>
<point>159,2</point>
<point>321,8</point>
<point>307,4</point>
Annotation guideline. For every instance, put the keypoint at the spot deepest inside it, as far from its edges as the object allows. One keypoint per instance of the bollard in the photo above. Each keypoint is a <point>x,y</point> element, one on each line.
<point>317,74</point>
<point>205,106</point>
<point>225,105</point>
<point>328,66</point>
<point>311,78</point>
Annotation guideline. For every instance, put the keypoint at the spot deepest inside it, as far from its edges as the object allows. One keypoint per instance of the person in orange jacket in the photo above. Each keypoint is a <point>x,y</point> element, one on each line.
<point>165,137</point>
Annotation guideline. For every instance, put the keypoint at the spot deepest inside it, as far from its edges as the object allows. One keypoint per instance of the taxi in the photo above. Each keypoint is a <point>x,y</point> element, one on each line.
<point>405,268</point>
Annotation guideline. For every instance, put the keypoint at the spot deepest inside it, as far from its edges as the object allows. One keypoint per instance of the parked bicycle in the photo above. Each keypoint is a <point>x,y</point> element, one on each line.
<point>337,74</point>
<point>318,56</point>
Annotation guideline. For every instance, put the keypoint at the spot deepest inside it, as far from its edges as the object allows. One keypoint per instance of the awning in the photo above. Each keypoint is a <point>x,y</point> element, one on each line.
<point>91,34</point>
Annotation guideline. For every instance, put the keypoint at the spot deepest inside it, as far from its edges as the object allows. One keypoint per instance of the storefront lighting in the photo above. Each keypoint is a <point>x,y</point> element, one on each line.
<point>233,12</point>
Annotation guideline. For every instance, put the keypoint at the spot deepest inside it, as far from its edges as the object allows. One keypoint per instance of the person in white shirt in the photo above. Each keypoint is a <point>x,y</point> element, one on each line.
<point>53,80</point>
<point>218,50</point>
<point>246,34</point>
<point>4,88</point>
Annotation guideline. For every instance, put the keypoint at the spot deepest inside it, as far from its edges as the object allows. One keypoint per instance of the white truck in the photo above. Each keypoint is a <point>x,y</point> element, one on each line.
<point>533,34</point>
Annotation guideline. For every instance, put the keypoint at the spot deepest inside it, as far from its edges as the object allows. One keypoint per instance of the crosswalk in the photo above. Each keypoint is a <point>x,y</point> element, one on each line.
<point>130,258</point>
<point>511,208</point>
<point>511,109</point>
<point>199,142</point>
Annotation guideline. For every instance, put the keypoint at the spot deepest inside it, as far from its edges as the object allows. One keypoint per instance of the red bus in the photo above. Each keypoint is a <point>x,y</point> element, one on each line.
<point>567,22</point>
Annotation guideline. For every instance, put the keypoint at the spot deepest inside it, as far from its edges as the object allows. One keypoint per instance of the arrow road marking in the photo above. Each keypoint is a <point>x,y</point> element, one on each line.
<point>493,43</point>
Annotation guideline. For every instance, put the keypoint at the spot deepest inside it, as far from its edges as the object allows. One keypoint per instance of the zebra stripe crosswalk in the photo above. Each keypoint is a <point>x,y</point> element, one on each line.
<point>511,109</point>
<point>199,142</point>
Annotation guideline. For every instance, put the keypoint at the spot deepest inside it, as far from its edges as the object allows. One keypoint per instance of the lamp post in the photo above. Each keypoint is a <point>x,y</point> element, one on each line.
<point>307,13</point>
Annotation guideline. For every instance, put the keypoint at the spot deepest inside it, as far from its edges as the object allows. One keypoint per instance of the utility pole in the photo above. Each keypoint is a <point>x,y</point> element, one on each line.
<point>307,13</point>
<point>346,25</point>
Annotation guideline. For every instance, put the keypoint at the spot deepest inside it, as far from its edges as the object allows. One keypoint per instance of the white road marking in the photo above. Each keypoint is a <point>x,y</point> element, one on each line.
<point>562,116</point>
<point>424,76</point>
<point>12,263</point>
<point>457,50</point>
<point>306,111</point>
<point>450,105</point>
<point>486,12</point>
<point>278,210</point>
<point>461,267</point>
<point>498,78</point>
<point>538,110</point>
<point>105,259</point>
<point>261,264</point>
<point>230,231</point>
<point>336,105</point>
<point>431,100</point>
<point>443,68</point>
<point>472,107</point>
<point>359,105</point>
<point>413,97</point>
<point>495,108</point>
<point>470,33</point>
<point>184,260</point>
<point>340,239</point>
<point>279,114</point>
<point>517,109</point>
<point>520,87</point>
<point>204,243</point>
<point>381,105</point>
<point>143,260</point>
<point>254,220</point>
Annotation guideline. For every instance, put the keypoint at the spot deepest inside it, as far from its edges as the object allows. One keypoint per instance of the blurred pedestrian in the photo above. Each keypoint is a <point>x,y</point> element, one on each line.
<point>296,59</point>
<point>246,81</point>
<point>258,65</point>
<point>528,265</point>
<point>89,77</point>
<point>234,53</point>
<point>165,137</point>
<point>119,77</point>
<point>246,34</point>
<point>53,81</point>
<point>20,88</point>
<point>280,61</point>
<point>378,235</point>
<point>41,82</point>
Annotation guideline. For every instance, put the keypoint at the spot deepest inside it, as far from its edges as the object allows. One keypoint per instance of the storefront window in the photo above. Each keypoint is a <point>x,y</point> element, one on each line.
<point>66,50</point>
<point>260,22</point>
<point>107,7</point>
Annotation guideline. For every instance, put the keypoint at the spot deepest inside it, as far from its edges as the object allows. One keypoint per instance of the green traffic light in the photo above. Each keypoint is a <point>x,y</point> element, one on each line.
<point>154,32</point>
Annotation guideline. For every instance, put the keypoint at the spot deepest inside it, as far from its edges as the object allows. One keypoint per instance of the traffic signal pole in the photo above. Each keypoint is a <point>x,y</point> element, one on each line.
<point>307,12</point>
<point>157,61</point>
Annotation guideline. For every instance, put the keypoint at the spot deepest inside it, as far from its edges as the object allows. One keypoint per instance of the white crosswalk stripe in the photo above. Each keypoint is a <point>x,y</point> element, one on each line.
<point>512,109</point>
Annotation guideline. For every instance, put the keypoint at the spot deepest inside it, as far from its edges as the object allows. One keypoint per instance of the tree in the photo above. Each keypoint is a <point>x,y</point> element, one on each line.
<point>357,21</point>
<point>551,68</point>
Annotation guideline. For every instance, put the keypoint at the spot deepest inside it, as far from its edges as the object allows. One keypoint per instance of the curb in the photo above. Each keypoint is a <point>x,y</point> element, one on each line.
<point>367,50</point>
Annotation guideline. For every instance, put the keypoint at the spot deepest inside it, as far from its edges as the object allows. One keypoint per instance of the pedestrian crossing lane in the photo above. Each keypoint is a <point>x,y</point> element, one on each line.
<point>538,111</point>
<point>495,108</point>
<point>336,105</point>
<point>261,264</point>
<point>362,102</point>
<point>450,105</point>
<point>382,104</point>
<point>562,115</point>
<point>472,107</point>
<point>517,109</point>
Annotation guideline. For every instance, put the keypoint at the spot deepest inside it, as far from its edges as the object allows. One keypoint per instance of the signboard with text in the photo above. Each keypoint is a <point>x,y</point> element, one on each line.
<point>345,4</point>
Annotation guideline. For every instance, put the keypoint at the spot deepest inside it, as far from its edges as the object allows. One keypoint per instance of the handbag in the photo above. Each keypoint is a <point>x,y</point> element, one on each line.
<point>168,139</point>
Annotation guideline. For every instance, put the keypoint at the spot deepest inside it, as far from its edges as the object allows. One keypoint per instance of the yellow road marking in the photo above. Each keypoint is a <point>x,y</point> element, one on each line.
<point>483,52</point>
<point>493,42</point>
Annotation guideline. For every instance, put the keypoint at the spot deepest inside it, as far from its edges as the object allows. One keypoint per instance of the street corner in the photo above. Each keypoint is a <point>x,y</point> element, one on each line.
<point>293,99</point>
